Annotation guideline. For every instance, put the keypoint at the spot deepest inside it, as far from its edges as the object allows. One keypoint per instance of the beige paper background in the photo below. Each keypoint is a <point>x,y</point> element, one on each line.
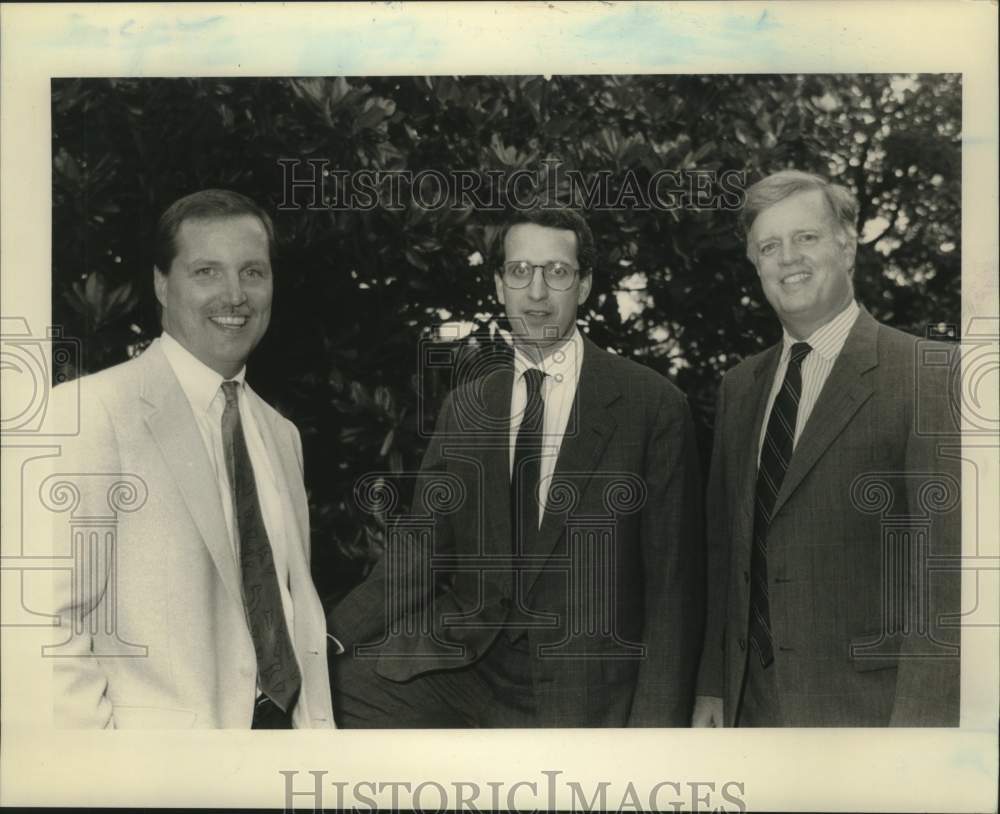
<point>866,770</point>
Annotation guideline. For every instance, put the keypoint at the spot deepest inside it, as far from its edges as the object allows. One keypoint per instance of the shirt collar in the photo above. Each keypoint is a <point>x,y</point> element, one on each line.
<point>827,340</point>
<point>199,382</point>
<point>560,366</point>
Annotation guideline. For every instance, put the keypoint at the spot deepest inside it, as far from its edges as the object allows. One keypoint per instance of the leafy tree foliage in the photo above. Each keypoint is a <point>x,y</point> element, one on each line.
<point>361,292</point>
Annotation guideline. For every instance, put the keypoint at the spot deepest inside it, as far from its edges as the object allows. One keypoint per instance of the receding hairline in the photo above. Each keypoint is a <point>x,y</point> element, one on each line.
<point>583,243</point>
<point>825,201</point>
<point>208,217</point>
<point>212,216</point>
<point>571,232</point>
<point>841,204</point>
<point>780,186</point>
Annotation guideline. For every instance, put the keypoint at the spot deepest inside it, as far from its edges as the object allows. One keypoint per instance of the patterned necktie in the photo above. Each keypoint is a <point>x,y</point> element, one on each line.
<point>277,673</point>
<point>774,458</point>
<point>527,465</point>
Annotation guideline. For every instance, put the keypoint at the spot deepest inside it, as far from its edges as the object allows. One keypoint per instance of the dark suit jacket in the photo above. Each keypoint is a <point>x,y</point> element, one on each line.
<point>613,591</point>
<point>872,488</point>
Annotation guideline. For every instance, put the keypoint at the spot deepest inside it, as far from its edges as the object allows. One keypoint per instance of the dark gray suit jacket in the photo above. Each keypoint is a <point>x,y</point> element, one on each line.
<point>612,593</point>
<point>863,544</point>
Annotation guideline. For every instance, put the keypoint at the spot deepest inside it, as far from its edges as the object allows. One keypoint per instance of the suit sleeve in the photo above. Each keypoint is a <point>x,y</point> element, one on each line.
<point>79,591</point>
<point>363,615</point>
<point>673,565</point>
<point>927,679</point>
<point>710,672</point>
<point>296,439</point>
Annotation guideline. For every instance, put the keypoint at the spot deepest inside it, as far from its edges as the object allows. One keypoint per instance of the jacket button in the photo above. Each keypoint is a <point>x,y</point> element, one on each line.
<point>743,644</point>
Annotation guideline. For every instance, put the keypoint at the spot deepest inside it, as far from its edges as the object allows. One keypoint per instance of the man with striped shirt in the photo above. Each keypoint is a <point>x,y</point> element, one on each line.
<point>831,569</point>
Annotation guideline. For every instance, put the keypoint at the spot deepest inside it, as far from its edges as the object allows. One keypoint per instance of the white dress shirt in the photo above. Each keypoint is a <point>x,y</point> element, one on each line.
<point>826,342</point>
<point>203,388</point>
<point>562,373</point>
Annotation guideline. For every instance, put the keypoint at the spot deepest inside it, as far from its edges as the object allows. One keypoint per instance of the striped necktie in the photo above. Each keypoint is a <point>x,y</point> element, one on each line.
<point>774,458</point>
<point>277,672</point>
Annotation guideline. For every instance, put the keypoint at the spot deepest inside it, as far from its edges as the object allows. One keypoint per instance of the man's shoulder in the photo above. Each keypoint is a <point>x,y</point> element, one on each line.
<point>113,383</point>
<point>267,410</point>
<point>99,404</point>
<point>907,363</point>
<point>892,342</point>
<point>749,367</point>
<point>632,374</point>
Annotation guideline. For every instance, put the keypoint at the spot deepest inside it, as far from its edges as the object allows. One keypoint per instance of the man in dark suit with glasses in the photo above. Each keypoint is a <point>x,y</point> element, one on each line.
<point>561,582</point>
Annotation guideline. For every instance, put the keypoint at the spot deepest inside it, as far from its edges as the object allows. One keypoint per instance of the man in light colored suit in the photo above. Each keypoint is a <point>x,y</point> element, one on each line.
<point>833,500</point>
<point>199,609</point>
<point>550,573</point>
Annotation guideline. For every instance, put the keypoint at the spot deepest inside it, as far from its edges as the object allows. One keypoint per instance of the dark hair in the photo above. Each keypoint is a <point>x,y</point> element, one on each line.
<point>205,204</point>
<point>780,185</point>
<point>559,218</point>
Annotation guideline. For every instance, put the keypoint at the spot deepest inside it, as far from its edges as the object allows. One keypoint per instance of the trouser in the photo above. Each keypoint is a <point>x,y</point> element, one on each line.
<point>759,705</point>
<point>495,691</point>
<point>268,715</point>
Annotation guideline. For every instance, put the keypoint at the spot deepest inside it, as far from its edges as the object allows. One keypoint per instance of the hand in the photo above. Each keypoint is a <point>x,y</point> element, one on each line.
<point>707,711</point>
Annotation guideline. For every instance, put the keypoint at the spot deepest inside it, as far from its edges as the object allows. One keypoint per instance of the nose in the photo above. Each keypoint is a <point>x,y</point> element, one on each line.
<point>789,253</point>
<point>539,289</point>
<point>235,295</point>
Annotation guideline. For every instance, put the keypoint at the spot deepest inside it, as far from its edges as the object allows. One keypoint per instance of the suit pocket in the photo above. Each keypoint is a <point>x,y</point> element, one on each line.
<point>127,717</point>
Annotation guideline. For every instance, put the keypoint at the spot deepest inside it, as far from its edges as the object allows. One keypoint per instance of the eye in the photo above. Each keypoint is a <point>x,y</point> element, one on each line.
<point>204,271</point>
<point>521,270</point>
<point>253,272</point>
<point>558,270</point>
<point>808,237</point>
<point>768,248</point>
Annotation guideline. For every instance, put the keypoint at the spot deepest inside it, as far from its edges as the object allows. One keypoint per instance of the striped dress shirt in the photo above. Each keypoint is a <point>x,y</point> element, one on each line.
<point>826,343</point>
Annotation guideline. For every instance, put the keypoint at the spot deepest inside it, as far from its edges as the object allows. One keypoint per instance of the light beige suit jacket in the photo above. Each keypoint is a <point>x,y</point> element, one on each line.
<point>152,631</point>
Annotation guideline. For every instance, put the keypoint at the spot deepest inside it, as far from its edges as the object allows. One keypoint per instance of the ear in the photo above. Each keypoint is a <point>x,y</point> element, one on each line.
<point>160,286</point>
<point>498,281</point>
<point>583,291</point>
<point>849,253</point>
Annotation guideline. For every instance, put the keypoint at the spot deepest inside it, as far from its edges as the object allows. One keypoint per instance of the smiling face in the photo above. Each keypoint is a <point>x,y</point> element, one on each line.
<point>541,317</point>
<point>216,297</point>
<point>804,261</point>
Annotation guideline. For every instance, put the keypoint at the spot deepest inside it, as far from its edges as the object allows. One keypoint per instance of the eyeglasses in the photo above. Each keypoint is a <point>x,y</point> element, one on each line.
<point>558,276</point>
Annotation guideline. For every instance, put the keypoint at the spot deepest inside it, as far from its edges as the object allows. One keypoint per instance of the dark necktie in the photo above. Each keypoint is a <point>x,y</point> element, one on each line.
<point>774,458</point>
<point>277,673</point>
<point>527,466</point>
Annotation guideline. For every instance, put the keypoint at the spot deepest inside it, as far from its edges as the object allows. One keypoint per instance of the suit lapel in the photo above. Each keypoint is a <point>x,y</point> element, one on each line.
<point>291,488</point>
<point>285,466</point>
<point>846,389</point>
<point>591,425</point>
<point>493,438</point>
<point>756,394</point>
<point>172,424</point>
